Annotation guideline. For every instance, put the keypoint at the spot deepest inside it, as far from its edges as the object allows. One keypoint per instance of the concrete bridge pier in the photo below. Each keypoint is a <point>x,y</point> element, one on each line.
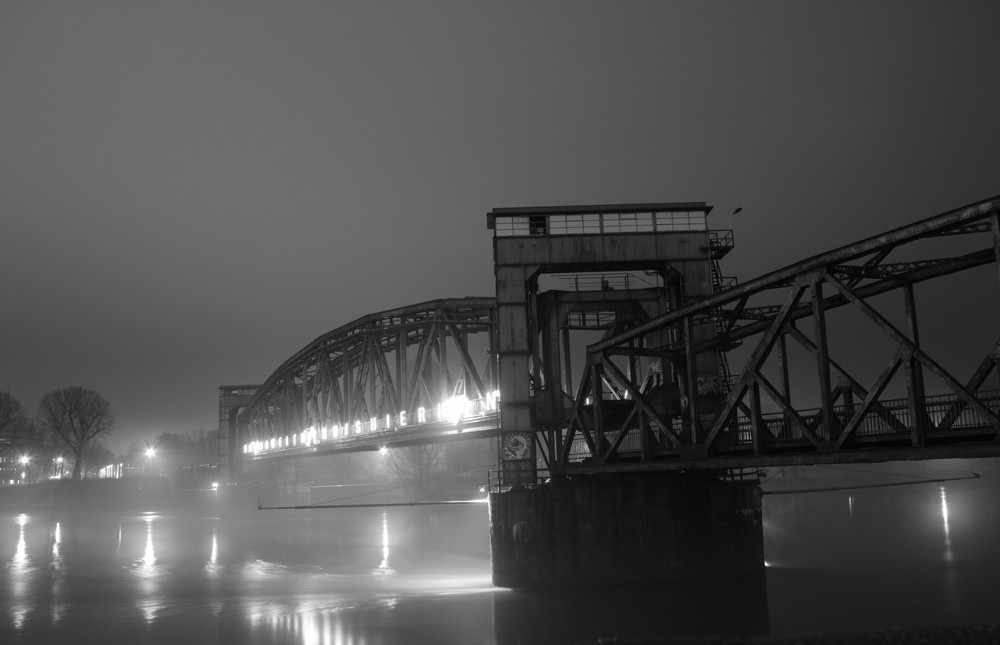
<point>626,528</point>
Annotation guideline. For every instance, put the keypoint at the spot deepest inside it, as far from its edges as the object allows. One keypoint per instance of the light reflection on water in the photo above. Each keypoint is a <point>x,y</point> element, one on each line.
<point>20,566</point>
<point>949,556</point>
<point>383,567</point>
<point>310,579</point>
<point>58,607</point>
<point>150,603</point>
<point>147,563</point>
<point>952,584</point>
<point>20,562</point>
<point>260,578</point>
<point>928,548</point>
<point>56,539</point>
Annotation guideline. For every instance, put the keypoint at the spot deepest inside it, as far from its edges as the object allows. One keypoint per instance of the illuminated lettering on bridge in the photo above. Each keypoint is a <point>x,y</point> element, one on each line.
<point>452,412</point>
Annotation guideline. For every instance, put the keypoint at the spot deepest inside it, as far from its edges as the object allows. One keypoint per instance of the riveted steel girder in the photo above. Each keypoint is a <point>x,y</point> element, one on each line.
<point>837,417</point>
<point>377,374</point>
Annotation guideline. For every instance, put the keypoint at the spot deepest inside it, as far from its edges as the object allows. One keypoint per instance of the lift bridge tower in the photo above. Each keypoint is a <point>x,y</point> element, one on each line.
<point>577,503</point>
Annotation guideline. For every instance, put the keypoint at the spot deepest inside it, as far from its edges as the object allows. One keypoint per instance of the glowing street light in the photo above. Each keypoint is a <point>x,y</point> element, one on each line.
<point>24,460</point>
<point>150,454</point>
<point>383,450</point>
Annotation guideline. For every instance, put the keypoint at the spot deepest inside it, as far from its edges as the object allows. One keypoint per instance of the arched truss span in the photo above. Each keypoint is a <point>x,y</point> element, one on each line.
<point>410,374</point>
<point>916,404</point>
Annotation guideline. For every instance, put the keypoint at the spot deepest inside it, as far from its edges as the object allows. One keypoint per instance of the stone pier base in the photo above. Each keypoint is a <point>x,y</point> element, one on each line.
<point>624,528</point>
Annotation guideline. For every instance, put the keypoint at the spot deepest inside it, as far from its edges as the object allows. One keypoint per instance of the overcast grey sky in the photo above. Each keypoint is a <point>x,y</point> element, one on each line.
<point>192,191</point>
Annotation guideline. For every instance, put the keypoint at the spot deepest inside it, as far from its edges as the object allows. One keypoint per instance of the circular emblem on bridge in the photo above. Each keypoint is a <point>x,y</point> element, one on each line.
<point>515,445</point>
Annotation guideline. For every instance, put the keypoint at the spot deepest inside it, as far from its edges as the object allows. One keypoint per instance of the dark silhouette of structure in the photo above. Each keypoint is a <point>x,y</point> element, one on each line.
<point>605,367</point>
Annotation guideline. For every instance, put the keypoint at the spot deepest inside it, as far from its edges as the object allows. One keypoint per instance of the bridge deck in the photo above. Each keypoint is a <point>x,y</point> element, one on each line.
<point>657,392</point>
<point>955,430</point>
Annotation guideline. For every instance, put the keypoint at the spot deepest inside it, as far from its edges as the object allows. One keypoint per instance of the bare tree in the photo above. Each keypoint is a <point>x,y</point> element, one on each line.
<point>13,422</point>
<point>416,465</point>
<point>77,417</point>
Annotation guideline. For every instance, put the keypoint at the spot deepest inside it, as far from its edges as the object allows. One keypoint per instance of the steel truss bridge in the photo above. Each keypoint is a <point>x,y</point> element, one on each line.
<point>725,424</point>
<point>785,393</point>
<point>407,376</point>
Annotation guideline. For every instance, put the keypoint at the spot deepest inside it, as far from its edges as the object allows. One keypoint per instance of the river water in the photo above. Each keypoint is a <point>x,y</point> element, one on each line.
<point>842,561</point>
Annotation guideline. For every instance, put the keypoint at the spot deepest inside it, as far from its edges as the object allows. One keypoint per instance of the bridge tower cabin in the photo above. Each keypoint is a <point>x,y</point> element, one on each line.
<point>578,502</point>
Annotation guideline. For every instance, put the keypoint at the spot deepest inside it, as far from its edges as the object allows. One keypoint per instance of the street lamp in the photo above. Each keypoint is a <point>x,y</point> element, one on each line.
<point>25,460</point>
<point>150,454</point>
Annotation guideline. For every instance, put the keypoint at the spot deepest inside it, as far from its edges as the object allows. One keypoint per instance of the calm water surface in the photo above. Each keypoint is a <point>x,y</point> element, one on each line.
<point>839,561</point>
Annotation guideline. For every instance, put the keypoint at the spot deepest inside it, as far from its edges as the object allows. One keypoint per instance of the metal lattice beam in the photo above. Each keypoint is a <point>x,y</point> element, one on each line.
<point>728,427</point>
<point>373,377</point>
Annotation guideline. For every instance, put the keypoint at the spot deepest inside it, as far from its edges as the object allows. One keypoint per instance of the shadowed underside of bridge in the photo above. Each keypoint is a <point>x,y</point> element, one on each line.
<point>785,392</point>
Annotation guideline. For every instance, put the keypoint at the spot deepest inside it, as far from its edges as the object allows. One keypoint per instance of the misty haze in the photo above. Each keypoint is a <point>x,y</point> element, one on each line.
<point>365,323</point>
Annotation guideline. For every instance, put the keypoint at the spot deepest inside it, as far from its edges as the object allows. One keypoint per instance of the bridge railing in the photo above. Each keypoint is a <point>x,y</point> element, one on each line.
<point>784,321</point>
<point>887,421</point>
<point>499,482</point>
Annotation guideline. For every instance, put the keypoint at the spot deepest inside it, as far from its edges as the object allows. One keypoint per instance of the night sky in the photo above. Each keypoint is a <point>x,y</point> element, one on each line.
<point>190,192</point>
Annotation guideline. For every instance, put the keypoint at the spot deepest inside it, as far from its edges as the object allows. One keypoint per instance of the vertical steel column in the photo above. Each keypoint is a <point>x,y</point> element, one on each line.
<point>597,387</point>
<point>444,387</point>
<point>567,364</point>
<point>691,378</point>
<point>402,376</point>
<point>550,316</point>
<point>674,294</point>
<point>783,381</point>
<point>371,395</point>
<point>305,397</point>
<point>914,374</point>
<point>995,227</point>
<point>347,375</point>
<point>227,417</point>
<point>757,427</point>
<point>823,360</point>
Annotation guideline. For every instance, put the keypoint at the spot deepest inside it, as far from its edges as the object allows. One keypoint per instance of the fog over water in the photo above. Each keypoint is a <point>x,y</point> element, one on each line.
<point>838,561</point>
